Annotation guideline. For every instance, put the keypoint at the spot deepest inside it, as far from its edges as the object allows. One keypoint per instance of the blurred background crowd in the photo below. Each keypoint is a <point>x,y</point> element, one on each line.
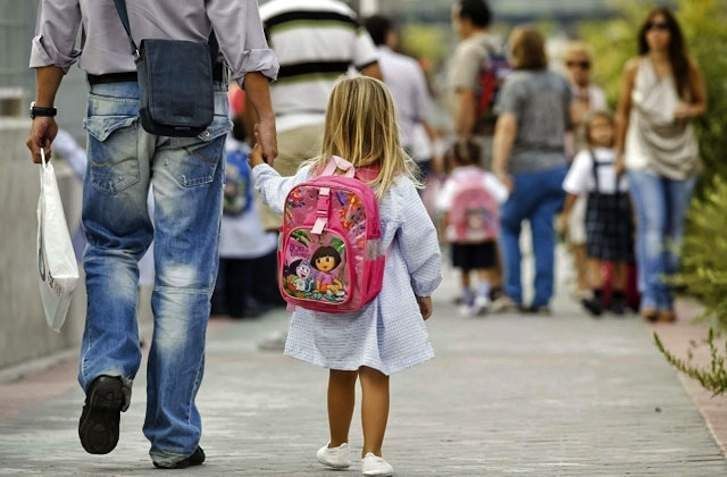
<point>563,112</point>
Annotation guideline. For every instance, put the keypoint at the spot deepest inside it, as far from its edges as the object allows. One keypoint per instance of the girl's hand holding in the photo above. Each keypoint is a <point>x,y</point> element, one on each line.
<point>425,306</point>
<point>256,156</point>
<point>562,225</point>
<point>506,180</point>
<point>620,164</point>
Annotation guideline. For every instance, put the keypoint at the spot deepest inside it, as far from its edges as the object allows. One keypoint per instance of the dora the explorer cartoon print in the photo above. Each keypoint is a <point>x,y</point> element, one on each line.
<point>317,276</point>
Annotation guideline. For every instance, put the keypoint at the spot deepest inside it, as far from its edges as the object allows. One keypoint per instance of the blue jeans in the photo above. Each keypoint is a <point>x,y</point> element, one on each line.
<point>661,205</point>
<point>536,197</point>
<point>187,179</point>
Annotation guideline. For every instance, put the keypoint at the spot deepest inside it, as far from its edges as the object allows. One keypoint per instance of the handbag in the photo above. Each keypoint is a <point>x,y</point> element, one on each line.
<point>176,91</point>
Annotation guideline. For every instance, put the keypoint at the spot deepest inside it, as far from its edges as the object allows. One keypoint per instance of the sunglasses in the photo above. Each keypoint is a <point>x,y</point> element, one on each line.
<point>584,65</point>
<point>659,26</point>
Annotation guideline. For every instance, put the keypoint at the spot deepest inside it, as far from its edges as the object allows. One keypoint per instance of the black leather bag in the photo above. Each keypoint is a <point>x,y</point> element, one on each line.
<point>176,90</point>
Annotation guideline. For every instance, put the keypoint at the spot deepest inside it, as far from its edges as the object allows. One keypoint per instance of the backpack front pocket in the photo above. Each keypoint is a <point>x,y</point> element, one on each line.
<point>315,268</point>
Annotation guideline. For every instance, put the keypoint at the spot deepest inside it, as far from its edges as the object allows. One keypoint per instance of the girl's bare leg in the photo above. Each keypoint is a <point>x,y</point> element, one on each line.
<point>595,272</point>
<point>620,276</point>
<point>465,280</point>
<point>374,409</point>
<point>341,401</point>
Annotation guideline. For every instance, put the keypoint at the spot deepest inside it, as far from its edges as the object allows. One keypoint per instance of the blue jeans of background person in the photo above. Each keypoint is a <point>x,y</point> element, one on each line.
<point>187,179</point>
<point>536,197</point>
<point>661,205</point>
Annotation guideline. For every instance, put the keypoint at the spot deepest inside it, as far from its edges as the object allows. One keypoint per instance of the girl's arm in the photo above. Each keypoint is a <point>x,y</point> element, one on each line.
<point>418,242</point>
<point>570,200</point>
<point>272,187</point>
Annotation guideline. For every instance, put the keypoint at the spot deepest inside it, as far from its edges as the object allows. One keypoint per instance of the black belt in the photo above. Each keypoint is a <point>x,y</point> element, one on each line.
<point>217,75</point>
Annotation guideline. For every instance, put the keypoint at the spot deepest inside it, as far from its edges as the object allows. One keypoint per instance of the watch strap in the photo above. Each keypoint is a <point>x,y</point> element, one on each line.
<point>36,111</point>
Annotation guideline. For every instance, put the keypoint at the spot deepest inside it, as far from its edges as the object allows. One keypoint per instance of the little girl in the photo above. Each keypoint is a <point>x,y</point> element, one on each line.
<point>389,334</point>
<point>471,198</point>
<point>609,218</point>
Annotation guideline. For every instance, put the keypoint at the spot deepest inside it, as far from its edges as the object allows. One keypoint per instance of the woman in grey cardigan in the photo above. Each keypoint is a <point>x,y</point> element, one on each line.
<point>662,93</point>
<point>529,157</point>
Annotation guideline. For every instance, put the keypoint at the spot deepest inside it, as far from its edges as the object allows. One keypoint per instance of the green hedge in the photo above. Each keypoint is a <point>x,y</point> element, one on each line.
<point>704,266</point>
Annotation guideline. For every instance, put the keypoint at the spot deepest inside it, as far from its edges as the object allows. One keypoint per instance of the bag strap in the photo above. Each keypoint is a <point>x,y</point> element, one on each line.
<point>595,167</point>
<point>338,163</point>
<point>121,10</point>
<point>124,17</point>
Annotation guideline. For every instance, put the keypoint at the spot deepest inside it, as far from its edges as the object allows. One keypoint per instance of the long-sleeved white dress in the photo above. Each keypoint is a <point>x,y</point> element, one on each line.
<point>388,334</point>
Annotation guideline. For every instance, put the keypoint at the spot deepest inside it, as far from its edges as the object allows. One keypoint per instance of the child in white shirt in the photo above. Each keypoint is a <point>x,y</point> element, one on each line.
<point>609,218</point>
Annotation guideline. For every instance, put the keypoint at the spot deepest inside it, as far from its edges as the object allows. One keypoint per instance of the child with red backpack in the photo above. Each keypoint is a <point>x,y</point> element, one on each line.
<point>471,197</point>
<point>359,260</point>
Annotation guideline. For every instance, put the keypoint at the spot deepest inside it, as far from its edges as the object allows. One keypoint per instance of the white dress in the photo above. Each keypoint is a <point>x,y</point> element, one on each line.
<point>388,334</point>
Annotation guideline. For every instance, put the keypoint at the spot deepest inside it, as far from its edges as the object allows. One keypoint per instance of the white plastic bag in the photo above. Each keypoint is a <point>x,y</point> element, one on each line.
<point>57,267</point>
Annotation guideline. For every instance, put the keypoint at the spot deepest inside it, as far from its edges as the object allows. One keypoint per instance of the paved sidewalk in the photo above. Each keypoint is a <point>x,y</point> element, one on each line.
<point>506,395</point>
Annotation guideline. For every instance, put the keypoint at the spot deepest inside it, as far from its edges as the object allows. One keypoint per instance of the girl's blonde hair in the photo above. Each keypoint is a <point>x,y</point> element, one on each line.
<point>591,117</point>
<point>361,128</point>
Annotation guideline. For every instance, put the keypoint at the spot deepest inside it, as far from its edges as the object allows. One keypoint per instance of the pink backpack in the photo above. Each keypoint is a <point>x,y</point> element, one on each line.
<point>474,215</point>
<point>330,258</point>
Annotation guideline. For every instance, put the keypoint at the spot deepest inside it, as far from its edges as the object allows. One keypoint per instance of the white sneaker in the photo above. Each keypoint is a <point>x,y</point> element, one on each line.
<point>503,304</point>
<point>335,457</point>
<point>466,310</point>
<point>373,465</point>
<point>482,303</point>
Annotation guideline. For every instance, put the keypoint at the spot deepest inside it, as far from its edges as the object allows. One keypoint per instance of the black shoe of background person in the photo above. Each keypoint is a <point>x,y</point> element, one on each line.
<point>495,293</point>
<point>98,427</point>
<point>593,306</point>
<point>542,310</point>
<point>618,304</point>
<point>195,459</point>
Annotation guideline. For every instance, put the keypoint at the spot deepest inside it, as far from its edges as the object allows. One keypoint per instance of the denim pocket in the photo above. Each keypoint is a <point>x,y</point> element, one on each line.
<point>112,152</point>
<point>200,156</point>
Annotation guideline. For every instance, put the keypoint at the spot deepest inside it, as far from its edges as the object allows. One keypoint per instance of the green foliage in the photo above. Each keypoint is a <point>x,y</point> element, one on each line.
<point>713,378</point>
<point>426,41</point>
<point>614,42</point>
<point>704,270</point>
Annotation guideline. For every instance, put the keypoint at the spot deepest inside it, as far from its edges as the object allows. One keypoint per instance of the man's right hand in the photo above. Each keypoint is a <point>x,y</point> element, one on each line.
<point>42,133</point>
<point>268,139</point>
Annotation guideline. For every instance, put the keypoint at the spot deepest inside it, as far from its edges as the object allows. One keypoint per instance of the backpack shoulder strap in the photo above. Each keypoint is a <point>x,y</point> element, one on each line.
<point>594,168</point>
<point>336,163</point>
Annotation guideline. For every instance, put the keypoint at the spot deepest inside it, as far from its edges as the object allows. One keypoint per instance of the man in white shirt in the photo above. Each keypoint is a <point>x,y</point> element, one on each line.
<point>405,79</point>
<point>316,42</point>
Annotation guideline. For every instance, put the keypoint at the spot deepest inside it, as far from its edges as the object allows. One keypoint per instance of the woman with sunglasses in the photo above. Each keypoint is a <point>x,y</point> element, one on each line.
<point>662,92</point>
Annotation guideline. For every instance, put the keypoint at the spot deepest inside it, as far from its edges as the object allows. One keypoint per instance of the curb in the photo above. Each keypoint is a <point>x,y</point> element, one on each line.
<point>20,371</point>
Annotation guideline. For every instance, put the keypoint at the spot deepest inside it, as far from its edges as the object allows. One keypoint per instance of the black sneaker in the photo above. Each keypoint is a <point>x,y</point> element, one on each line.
<point>542,310</point>
<point>195,459</point>
<point>617,307</point>
<point>593,306</point>
<point>98,427</point>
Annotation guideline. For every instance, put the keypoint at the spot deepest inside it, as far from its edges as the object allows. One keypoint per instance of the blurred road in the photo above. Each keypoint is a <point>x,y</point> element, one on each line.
<point>563,395</point>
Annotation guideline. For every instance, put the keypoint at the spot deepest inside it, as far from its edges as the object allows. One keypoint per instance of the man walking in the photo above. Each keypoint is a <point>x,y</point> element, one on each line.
<point>471,19</point>
<point>186,175</point>
<point>407,83</point>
